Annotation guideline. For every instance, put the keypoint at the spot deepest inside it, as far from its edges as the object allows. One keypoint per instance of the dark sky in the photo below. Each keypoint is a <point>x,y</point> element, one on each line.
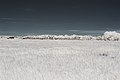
<point>22,15</point>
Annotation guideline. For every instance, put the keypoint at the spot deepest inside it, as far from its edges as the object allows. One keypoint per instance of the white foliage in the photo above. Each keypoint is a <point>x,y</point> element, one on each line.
<point>111,35</point>
<point>108,35</point>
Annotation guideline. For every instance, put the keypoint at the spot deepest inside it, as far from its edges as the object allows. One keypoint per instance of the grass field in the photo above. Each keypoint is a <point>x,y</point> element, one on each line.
<point>59,60</point>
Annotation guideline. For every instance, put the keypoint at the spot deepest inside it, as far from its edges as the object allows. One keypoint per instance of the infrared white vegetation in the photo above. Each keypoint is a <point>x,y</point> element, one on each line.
<point>31,59</point>
<point>108,35</point>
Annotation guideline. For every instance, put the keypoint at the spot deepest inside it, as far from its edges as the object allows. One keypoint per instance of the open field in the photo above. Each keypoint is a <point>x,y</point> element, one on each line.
<point>59,60</point>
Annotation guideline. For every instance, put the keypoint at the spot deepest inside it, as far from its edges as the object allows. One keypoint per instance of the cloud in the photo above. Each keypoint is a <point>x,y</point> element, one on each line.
<point>6,18</point>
